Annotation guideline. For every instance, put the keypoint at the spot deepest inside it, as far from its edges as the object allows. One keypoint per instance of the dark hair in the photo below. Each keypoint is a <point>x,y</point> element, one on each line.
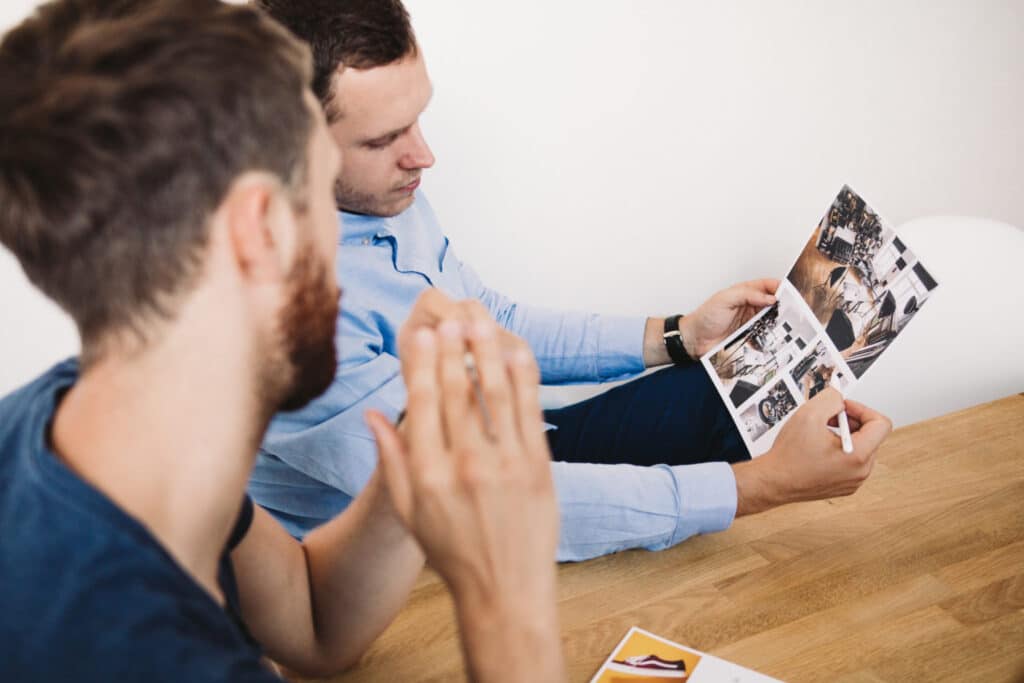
<point>123,124</point>
<point>360,34</point>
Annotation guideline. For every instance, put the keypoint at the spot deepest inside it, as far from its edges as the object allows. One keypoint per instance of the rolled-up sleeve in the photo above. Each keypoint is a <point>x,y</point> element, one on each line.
<point>570,346</point>
<point>333,443</point>
<point>608,508</point>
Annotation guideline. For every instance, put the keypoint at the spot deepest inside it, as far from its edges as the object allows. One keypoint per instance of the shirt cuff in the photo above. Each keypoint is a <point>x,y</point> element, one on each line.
<point>707,498</point>
<point>620,346</point>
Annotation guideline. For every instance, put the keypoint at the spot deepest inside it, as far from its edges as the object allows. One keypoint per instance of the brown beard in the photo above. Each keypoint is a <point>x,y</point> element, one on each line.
<point>307,327</point>
<point>351,200</point>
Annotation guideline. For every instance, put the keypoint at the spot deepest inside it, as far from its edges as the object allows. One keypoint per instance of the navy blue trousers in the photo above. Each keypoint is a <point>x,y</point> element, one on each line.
<point>673,416</point>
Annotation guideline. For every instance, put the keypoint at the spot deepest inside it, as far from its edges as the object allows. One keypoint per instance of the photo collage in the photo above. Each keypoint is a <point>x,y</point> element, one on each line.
<point>860,280</point>
<point>775,363</point>
<point>853,289</point>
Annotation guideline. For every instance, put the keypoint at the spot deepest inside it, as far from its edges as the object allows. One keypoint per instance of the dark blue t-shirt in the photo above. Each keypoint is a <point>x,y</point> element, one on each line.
<point>86,592</point>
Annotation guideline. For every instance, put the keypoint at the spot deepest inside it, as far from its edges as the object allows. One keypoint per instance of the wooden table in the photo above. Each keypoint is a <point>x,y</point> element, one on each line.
<point>917,577</point>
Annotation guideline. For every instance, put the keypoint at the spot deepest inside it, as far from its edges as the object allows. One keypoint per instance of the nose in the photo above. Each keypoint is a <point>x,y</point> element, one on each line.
<point>418,155</point>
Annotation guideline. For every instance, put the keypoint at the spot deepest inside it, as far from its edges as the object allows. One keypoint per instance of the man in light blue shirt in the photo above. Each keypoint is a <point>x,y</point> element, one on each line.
<point>646,464</point>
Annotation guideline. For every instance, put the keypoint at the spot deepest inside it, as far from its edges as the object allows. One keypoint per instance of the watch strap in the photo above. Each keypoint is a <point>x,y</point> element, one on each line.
<point>674,341</point>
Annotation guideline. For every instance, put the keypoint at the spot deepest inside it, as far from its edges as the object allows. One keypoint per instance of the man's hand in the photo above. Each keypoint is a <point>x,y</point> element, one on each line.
<point>807,461</point>
<point>477,493</point>
<point>713,321</point>
<point>724,313</point>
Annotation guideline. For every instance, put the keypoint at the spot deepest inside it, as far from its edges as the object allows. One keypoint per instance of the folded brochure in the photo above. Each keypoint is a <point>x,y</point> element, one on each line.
<point>855,286</point>
<point>643,656</point>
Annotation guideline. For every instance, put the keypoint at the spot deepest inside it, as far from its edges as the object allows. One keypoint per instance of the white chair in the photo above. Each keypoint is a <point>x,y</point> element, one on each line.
<point>964,346</point>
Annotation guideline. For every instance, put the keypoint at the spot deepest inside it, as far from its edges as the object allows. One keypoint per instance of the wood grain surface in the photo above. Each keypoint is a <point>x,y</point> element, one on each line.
<point>919,576</point>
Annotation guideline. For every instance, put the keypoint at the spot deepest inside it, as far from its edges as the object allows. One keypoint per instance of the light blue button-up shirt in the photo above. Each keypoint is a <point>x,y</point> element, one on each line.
<point>315,460</point>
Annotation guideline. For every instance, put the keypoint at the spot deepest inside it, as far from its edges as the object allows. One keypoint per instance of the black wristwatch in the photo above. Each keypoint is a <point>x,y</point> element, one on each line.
<point>674,342</point>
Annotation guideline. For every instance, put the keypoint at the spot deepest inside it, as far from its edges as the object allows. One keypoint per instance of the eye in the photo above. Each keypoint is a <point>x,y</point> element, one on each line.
<point>381,143</point>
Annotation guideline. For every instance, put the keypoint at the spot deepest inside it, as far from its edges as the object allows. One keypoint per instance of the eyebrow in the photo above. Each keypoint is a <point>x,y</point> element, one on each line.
<point>399,131</point>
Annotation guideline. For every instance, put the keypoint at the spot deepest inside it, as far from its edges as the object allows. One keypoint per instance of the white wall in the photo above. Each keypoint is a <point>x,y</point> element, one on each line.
<point>634,156</point>
<point>663,148</point>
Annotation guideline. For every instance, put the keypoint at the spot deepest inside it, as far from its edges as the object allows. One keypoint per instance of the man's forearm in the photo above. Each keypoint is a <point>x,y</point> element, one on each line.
<point>753,494</point>
<point>655,352</point>
<point>362,566</point>
<point>512,635</point>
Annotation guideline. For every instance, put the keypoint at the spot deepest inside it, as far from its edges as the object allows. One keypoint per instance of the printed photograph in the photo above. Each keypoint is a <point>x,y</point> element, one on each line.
<point>814,372</point>
<point>761,351</point>
<point>900,301</point>
<point>645,657</point>
<point>767,411</point>
<point>859,280</point>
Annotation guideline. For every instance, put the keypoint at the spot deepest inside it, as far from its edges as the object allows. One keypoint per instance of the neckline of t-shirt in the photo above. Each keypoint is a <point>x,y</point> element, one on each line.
<point>52,474</point>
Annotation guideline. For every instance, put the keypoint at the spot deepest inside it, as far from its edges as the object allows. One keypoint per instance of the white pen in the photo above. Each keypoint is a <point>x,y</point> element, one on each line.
<point>844,421</point>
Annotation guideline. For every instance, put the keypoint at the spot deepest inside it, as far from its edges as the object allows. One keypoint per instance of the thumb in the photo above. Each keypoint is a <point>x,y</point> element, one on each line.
<point>826,404</point>
<point>768,284</point>
<point>393,461</point>
<point>745,295</point>
<point>757,297</point>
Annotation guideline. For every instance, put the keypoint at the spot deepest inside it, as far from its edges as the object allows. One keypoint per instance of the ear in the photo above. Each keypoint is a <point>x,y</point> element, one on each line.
<point>261,227</point>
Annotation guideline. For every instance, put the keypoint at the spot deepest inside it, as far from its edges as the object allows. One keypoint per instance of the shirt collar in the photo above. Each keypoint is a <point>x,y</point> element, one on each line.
<point>418,243</point>
<point>356,227</point>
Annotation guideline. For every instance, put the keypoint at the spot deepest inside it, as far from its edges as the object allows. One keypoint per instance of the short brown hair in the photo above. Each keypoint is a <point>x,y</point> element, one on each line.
<point>123,124</point>
<point>360,34</point>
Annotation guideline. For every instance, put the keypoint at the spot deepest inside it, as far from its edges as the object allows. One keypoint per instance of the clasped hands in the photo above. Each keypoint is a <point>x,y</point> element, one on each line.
<point>470,487</point>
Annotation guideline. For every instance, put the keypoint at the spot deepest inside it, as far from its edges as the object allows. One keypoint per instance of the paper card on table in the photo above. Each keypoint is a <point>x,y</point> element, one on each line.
<point>642,656</point>
<point>854,287</point>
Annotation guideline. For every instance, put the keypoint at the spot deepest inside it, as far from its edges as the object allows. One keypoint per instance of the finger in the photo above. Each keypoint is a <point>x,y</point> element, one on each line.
<point>461,424</point>
<point>757,297</point>
<point>509,344</point>
<point>873,430</point>
<point>768,285</point>
<point>753,294</point>
<point>495,387</point>
<point>472,311</point>
<point>526,395</point>
<point>489,380</point>
<point>865,452</point>
<point>431,307</point>
<point>423,410</point>
<point>861,412</point>
<point>761,292</point>
<point>393,461</point>
<point>853,422</point>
